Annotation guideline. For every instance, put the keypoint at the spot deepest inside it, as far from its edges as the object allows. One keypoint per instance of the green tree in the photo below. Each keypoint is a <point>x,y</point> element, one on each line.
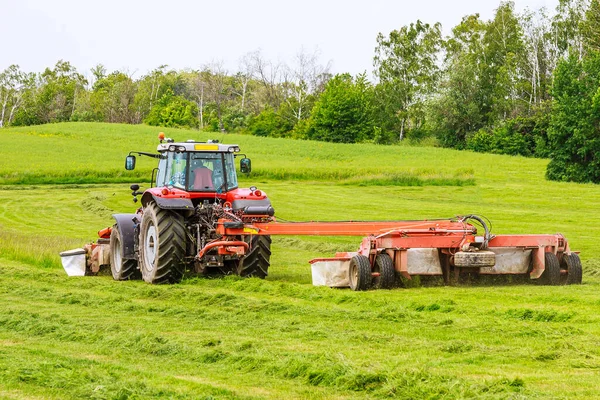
<point>113,98</point>
<point>14,84</point>
<point>565,37</point>
<point>590,27</point>
<point>344,113</point>
<point>504,55</point>
<point>574,132</point>
<point>53,96</point>
<point>152,87</point>
<point>462,103</point>
<point>406,66</point>
<point>537,65</point>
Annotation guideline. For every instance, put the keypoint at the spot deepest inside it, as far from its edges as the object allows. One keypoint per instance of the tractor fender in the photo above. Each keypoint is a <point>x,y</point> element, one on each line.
<point>168,203</point>
<point>126,224</point>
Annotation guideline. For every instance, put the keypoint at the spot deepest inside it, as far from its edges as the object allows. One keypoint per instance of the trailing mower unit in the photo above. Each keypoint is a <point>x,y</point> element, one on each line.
<point>196,218</point>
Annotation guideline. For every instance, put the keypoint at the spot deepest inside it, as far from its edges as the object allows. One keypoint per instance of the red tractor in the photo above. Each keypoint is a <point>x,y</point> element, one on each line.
<point>195,185</point>
<point>196,218</point>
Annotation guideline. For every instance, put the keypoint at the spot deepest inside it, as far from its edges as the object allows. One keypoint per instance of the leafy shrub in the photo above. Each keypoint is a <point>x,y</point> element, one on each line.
<point>234,120</point>
<point>507,140</point>
<point>481,141</point>
<point>173,111</point>
<point>269,123</point>
<point>301,129</point>
<point>524,136</point>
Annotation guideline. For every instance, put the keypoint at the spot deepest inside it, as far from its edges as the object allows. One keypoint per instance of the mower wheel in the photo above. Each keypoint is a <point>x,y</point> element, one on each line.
<point>162,245</point>
<point>360,273</point>
<point>121,268</point>
<point>256,262</point>
<point>387,275</point>
<point>574,269</point>
<point>551,274</point>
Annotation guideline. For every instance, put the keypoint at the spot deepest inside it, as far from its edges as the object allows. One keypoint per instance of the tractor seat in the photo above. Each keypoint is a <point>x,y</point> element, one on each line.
<point>203,179</point>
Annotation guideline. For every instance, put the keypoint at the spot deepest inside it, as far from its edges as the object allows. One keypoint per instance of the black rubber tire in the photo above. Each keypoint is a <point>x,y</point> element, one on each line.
<point>574,269</point>
<point>551,274</point>
<point>360,273</point>
<point>257,261</point>
<point>387,275</point>
<point>120,268</point>
<point>162,245</point>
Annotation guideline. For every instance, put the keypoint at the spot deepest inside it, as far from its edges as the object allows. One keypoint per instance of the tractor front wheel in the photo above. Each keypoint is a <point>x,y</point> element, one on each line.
<point>162,245</point>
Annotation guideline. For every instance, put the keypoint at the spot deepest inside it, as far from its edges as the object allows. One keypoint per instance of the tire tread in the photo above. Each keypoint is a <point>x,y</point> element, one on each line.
<point>258,259</point>
<point>171,234</point>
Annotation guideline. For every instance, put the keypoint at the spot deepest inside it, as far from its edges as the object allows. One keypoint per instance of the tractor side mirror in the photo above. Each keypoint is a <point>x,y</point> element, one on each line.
<point>245,165</point>
<point>130,163</point>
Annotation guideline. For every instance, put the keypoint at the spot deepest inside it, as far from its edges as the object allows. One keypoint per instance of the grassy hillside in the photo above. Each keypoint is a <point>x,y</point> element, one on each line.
<point>93,152</point>
<point>283,338</point>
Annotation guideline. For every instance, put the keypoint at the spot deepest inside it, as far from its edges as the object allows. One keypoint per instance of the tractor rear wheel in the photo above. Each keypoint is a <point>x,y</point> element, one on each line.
<point>162,245</point>
<point>387,275</point>
<point>551,274</point>
<point>121,268</point>
<point>574,269</point>
<point>360,273</point>
<point>256,262</point>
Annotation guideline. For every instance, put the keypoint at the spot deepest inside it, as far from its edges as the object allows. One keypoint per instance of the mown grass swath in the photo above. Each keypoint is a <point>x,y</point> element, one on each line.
<point>283,338</point>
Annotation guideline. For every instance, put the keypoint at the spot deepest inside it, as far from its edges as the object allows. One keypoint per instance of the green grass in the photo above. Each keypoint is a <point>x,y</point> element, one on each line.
<point>95,153</point>
<point>283,338</point>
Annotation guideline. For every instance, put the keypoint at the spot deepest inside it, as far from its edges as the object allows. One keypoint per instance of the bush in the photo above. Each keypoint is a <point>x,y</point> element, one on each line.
<point>173,111</point>
<point>508,140</point>
<point>269,123</point>
<point>524,136</point>
<point>481,141</point>
<point>503,140</point>
<point>234,120</point>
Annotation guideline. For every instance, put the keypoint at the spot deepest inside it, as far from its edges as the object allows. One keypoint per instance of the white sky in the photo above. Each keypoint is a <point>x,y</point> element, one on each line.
<point>140,35</point>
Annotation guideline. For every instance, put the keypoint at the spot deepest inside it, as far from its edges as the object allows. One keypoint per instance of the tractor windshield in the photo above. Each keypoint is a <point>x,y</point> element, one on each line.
<point>198,172</point>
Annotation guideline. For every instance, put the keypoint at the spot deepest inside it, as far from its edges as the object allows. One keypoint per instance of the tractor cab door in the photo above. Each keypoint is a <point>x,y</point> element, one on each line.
<point>172,170</point>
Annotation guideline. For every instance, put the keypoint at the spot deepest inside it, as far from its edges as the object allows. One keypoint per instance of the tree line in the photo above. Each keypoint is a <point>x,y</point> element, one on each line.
<point>520,83</point>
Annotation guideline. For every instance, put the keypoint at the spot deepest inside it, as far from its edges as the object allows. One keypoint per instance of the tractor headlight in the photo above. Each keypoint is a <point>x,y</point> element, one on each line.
<point>172,148</point>
<point>231,149</point>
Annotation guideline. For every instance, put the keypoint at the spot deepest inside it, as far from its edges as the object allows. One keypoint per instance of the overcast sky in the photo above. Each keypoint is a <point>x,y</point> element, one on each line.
<point>140,35</point>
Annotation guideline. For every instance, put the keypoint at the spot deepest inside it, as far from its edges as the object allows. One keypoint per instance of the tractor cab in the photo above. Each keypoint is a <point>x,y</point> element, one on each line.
<point>196,166</point>
<point>197,171</point>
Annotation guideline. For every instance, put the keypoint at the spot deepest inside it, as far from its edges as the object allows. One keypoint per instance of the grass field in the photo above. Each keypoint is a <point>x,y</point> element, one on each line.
<point>283,338</point>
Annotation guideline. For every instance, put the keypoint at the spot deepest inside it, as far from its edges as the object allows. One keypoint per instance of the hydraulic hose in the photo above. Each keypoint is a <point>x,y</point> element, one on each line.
<point>487,235</point>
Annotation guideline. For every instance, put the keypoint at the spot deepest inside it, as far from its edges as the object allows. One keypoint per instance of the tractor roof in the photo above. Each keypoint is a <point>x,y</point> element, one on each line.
<point>191,146</point>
